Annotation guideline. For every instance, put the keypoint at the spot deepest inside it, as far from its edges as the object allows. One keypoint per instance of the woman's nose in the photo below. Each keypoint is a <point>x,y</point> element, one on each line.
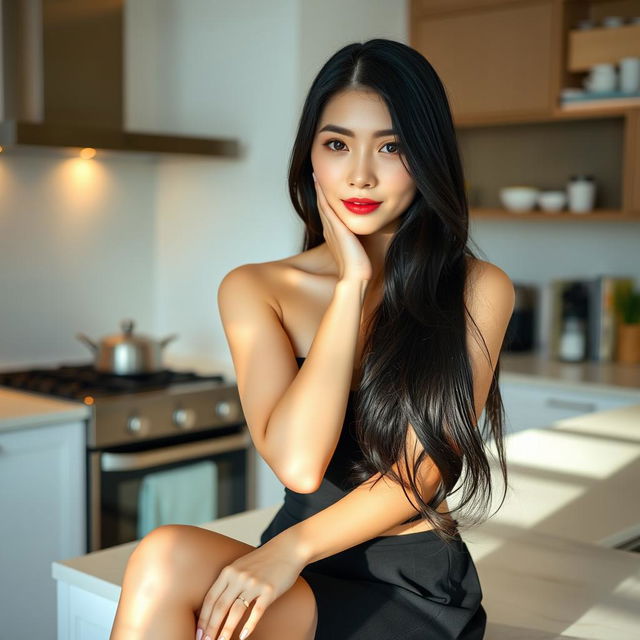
<point>362,173</point>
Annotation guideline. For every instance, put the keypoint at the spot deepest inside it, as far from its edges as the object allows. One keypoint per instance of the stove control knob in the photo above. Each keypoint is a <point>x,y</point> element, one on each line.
<point>137,425</point>
<point>184,418</point>
<point>226,410</point>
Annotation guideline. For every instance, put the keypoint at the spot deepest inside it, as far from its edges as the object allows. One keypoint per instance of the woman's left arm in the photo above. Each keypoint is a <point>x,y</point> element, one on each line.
<point>367,511</point>
<point>364,513</point>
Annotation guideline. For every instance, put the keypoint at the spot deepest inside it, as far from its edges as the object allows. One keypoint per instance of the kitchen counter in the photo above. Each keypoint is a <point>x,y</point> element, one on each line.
<point>577,479</point>
<point>535,368</point>
<point>531,368</point>
<point>544,565</point>
<point>24,410</point>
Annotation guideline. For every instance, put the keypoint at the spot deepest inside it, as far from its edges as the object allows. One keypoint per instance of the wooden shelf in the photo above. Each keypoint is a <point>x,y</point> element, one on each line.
<point>592,110</point>
<point>557,115</point>
<point>602,44</point>
<point>601,215</point>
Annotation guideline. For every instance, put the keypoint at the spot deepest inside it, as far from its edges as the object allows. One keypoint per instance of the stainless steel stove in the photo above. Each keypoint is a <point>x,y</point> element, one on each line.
<point>141,424</point>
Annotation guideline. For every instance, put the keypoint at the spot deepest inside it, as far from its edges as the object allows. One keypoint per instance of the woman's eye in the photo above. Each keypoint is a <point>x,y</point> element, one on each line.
<point>330,142</point>
<point>388,144</point>
<point>392,144</point>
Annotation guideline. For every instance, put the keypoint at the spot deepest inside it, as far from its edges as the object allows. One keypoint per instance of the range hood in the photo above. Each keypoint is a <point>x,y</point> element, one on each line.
<point>61,81</point>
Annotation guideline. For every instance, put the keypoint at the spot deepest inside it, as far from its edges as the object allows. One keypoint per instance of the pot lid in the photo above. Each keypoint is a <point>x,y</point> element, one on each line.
<point>127,336</point>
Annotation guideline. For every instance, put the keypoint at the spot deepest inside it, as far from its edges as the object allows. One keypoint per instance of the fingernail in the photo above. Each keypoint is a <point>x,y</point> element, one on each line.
<point>244,634</point>
<point>199,634</point>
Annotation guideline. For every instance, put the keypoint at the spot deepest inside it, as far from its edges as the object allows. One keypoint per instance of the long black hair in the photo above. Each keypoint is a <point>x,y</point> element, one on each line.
<point>415,366</point>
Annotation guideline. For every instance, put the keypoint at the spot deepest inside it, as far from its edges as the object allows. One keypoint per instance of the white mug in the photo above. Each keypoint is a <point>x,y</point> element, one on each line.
<point>603,77</point>
<point>581,193</point>
<point>630,74</point>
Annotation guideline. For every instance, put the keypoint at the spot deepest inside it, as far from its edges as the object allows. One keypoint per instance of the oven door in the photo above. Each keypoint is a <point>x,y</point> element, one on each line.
<point>116,477</point>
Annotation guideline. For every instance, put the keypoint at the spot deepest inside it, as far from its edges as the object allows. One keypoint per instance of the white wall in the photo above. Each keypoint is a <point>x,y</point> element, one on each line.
<point>76,254</point>
<point>227,69</point>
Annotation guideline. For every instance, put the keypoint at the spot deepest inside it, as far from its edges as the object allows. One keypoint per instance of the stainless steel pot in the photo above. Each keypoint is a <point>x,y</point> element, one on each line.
<point>126,353</point>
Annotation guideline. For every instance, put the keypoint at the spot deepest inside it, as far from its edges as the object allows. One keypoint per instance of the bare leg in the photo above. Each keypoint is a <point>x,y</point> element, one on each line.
<point>168,575</point>
<point>150,606</point>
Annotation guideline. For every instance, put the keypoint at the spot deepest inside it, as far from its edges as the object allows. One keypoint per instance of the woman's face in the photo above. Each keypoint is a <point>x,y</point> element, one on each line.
<point>362,163</point>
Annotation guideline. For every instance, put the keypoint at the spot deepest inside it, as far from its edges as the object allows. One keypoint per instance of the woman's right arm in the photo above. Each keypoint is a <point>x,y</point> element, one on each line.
<point>294,417</point>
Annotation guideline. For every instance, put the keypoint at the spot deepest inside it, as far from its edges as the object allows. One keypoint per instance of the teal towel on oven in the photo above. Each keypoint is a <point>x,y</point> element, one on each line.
<point>184,495</point>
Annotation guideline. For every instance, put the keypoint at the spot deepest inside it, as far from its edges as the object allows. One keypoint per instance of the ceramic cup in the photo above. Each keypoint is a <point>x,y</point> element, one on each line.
<point>601,78</point>
<point>630,74</point>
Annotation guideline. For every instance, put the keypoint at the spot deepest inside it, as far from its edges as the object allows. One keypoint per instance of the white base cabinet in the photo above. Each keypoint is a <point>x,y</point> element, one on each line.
<point>42,507</point>
<point>83,615</point>
<point>529,406</point>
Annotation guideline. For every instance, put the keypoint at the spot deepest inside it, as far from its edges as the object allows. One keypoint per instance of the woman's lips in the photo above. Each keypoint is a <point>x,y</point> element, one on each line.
<point>361,208</point>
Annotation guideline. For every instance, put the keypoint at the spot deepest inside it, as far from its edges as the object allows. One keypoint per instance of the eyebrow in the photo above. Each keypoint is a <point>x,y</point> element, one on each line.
<point>347,132</point>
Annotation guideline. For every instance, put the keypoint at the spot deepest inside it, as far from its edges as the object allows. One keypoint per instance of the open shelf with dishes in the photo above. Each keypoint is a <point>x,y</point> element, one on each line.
<point>545,155</point>
<point>507,86</point>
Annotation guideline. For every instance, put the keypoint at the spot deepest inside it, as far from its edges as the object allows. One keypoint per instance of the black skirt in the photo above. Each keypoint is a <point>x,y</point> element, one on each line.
<point>407,587</point>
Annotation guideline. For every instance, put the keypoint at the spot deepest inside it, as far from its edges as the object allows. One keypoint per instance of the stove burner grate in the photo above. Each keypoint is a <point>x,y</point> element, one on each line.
<point>79,381</point>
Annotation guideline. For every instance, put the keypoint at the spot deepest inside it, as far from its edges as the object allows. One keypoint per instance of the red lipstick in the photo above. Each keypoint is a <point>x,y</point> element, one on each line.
<point>361,205</point>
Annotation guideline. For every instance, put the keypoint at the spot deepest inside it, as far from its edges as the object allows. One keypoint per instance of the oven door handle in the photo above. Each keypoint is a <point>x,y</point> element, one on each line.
<point>169,455</point>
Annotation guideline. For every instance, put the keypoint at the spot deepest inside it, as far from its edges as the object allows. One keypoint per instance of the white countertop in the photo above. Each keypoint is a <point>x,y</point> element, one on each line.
<point>578,479</point>
<point>604,377</point>
<point>24,410</point>
<point>543,567</point>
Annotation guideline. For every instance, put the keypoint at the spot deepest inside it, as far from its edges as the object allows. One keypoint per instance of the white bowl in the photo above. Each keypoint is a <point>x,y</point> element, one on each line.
<point>519,199</point>
<point>552,200</point>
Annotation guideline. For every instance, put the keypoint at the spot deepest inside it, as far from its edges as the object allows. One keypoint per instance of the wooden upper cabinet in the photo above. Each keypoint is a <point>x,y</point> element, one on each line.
<point>496,62</point>
<point>425,7</point>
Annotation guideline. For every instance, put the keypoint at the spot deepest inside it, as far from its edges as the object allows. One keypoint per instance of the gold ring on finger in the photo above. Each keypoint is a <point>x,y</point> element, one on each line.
<point>244,602</point>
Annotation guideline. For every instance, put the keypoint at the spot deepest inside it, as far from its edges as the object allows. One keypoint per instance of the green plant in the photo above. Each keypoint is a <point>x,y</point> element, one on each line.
<point>627,303</point>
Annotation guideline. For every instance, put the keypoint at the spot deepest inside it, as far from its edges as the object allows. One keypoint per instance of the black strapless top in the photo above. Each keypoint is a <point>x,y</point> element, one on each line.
<point>335,483</point>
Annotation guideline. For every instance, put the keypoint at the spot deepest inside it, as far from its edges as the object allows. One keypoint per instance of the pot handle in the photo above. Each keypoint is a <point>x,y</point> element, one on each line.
<point>165,341</point>
<point>88,341</point>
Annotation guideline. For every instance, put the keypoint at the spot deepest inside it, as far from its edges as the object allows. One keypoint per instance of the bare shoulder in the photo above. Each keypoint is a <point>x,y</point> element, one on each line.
<point>252,279</point>
<point>273,280</point>
<point>488,283</point>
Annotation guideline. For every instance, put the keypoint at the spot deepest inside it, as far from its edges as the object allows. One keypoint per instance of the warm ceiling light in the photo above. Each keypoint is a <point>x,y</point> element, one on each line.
<point>87,153</point>
<point>1,149</point>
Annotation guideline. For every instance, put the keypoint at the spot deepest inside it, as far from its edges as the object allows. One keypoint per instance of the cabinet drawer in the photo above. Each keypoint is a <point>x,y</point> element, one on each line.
<point>528,407</point>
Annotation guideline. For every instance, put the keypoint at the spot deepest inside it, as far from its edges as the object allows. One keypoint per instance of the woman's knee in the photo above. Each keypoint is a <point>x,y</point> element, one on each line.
<point>184,560</point>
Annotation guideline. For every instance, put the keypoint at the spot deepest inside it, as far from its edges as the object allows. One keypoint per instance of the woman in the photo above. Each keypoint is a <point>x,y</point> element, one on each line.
<point>363,366</point>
